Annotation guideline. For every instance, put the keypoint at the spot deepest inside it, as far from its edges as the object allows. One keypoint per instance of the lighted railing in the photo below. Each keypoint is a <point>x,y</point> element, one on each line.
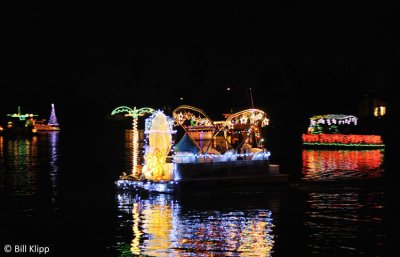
<point>186,157</point>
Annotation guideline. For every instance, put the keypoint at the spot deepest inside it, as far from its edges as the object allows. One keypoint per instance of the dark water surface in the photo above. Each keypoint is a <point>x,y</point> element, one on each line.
<point>57,190</point>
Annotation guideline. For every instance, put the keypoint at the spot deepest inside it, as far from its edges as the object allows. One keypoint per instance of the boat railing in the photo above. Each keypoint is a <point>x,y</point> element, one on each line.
<point>188,157</point>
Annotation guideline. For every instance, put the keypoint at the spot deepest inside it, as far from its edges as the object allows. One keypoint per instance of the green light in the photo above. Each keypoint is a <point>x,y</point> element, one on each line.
<point>134,113</point>
<point>21,116</point>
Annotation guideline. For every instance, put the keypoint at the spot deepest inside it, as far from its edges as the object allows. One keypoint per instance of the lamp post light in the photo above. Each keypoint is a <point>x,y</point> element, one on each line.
<point>229,97</point>
<point>134,113</point>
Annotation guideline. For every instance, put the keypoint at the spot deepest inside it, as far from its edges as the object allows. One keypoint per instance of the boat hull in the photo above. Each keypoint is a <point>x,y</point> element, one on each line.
<point>195,177</point>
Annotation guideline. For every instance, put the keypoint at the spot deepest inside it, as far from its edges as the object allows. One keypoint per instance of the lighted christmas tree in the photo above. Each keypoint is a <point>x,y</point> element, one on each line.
<point>53,118</point>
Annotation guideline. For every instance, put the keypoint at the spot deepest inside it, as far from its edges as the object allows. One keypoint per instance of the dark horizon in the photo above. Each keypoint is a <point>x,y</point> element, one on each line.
<point>299,60</point>
<point>154,82</point>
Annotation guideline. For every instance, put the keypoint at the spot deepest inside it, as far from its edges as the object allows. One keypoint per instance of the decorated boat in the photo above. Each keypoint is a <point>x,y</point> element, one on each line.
<point>20,124</point>
<point>209,155</point>
<point>338,131</point>
<point>51,125</point>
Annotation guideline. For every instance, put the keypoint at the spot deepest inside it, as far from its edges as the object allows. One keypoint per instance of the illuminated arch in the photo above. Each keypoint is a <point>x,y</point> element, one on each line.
<point>187,112</point>
<point>252,115</point>
<point>197,117</point>
<point>248,116</point>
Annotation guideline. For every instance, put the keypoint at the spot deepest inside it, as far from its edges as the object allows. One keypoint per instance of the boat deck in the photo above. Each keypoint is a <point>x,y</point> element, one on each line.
<point>253,180</point>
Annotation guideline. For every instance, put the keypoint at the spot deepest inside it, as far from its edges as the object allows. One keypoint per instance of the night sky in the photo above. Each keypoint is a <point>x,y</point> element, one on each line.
<point>299,59</point>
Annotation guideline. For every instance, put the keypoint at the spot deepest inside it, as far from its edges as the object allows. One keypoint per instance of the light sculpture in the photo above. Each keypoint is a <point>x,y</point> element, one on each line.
<point>53,117</point>
<point>135,114</point>
<point>159,131</point>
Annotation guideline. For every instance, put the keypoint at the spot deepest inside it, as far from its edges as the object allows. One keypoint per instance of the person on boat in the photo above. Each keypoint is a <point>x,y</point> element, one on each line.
<point>246,148</point>
<point>238,142</point>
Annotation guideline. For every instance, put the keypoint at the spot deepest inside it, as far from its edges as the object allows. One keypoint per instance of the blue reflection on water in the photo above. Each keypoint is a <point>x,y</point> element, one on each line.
<point>53,161</point>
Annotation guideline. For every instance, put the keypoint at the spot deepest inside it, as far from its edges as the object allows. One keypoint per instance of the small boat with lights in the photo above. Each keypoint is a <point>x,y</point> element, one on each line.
<point>19,124</point>
<point>51,125</point>
<point>338,131</point>
<point>221,155</point>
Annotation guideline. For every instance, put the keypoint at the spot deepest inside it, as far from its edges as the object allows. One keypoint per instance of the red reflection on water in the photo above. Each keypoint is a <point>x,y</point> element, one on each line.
<point>336,164</point>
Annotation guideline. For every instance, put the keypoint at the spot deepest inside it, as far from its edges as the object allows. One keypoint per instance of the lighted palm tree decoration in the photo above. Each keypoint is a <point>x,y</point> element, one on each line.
<point>134,113</point>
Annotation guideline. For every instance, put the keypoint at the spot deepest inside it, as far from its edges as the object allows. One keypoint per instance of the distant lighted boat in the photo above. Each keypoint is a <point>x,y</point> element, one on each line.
<point>213,155</point>
<point>336,131</point>
<point>41,125</point>
<point>20,124</point>
<point>51,125</point>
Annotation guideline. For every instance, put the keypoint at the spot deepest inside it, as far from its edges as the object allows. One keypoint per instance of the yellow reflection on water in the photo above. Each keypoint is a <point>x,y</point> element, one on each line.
<point>2,176</point>
<point>161,229</point>
<point>157,223</point>
<point>1,149</point>
<point>1,146</point>
<point>129,152</point>
<point>256,239</point>
<point>137,233</point>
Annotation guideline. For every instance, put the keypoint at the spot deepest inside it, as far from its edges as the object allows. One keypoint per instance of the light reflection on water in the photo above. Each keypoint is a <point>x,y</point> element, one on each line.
<point>129,151</point>
<point>345,223</point>
<point>28,165</point>
<point>161,227</point>
<point>315,222</point>
<point>339,164</point>
<point>349,221</point>
<point>53,161</point>
<point>20,159</point>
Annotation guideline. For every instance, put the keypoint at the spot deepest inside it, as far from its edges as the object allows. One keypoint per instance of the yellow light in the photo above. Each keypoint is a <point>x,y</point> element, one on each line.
<point>135,147</point>
<point>379,111</point>
<point>160,143</point>
<point>383,110</point>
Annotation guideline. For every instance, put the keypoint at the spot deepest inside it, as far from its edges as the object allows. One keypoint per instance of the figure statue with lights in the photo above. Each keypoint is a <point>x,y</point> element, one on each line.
<point>159,130</point>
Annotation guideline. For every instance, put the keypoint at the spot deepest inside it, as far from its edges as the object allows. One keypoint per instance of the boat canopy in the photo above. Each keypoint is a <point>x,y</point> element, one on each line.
<point>207,134</point>
<point>186,144</point>
<point>333,119</point>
